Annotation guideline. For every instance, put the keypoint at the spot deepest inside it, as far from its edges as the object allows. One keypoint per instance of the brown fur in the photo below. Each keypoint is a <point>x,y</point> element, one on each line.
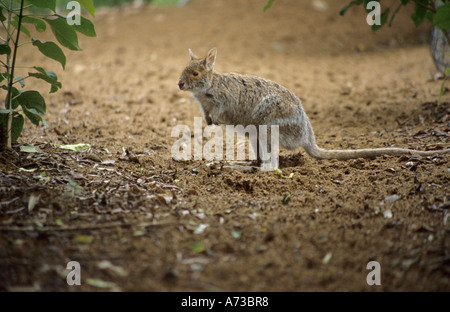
<point>235,99</point>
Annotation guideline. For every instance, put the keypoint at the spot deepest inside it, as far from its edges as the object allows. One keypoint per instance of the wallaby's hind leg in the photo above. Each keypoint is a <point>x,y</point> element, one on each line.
<point>254,146</point>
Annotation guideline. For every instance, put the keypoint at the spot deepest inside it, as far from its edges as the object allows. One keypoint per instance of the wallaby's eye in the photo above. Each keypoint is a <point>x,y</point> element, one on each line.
<point>195,73</point>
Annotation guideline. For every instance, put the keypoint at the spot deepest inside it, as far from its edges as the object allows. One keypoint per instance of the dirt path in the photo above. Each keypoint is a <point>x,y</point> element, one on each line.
<point>141,221</point>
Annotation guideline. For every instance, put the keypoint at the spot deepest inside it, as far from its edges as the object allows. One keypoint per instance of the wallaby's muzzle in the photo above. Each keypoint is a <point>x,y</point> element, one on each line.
<point>182,85</point>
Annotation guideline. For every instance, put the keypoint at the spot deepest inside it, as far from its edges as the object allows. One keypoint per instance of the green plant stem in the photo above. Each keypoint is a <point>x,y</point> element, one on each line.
<point>11,9</point>
<point>11,77</point>
<point>27,6</point>
<point>4,131</point>
<point>24,43</point>
<point>30,67</point>
<point>8,35</point>
<point>394,14</point>
<point>4,5</point>
<point>23,78</point>
<point>432,9</point>
<point>39,15</point>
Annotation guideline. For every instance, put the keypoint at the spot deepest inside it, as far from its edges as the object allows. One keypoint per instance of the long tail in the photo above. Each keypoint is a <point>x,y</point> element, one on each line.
<point>308,142</point>
<point>322,153</point>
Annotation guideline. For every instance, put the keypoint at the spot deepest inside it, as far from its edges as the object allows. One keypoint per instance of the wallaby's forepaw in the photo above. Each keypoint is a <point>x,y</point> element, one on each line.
<point>210,122</point>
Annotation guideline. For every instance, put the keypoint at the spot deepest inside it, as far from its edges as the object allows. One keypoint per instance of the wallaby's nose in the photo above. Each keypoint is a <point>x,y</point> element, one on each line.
<point>180,84</point>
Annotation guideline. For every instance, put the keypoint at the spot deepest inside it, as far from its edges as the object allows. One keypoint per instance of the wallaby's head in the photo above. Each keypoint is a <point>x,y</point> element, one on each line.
<point>197,74</point>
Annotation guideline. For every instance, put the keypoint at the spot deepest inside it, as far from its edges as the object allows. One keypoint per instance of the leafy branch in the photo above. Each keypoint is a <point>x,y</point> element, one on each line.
<point>437,12</point>
<point>31,102</point>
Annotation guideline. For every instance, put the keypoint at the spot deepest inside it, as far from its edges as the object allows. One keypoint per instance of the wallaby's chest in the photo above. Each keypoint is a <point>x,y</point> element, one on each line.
<point>206,100</point>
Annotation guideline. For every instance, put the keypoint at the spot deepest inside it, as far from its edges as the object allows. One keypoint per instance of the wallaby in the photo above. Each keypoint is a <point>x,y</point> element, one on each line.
<point>235,99</point>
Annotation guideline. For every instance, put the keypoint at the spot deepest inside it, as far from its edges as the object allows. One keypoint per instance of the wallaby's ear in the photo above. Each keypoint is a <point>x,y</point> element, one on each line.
<point>193,56</point>
<point>210,59</point>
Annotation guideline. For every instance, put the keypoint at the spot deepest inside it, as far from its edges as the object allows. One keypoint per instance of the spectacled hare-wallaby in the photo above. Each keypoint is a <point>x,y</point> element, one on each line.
<point>235,99</point>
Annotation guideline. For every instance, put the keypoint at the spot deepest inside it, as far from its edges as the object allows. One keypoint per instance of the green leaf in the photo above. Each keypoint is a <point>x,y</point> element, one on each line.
<point>86,27</point>
<point>420,12</point>
<point>32,100</point>
<point>38,23</point>
<point>347,6</point>
<point>34,116</point>
<point>55,85</point>
<point>442,17</point>
<point>285,198</point>
<point>51,50</point>
<point>3,76</point>
<point>88,5</point>
<point>27,170</point>
<point>64,33</point>
<point>279,172</point>
<point>2,17</point>
<point>196,247</point>
<point>14,94</point>
<point>430,16</point>
<point>4,49</point>
<point>268,5</point>
<point>15,23</point>
<point>86,239</point>
<point>76,147</point>
<point>44,4</point>
<point>16,127</point>
<point>29,148</point>
<point>47,76</point>
<point>383,19</point>
<point>20,80</point>
<point>95,282</point>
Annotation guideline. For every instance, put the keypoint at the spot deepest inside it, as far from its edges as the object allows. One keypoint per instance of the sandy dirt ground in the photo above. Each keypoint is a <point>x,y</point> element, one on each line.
<point>137,220</point>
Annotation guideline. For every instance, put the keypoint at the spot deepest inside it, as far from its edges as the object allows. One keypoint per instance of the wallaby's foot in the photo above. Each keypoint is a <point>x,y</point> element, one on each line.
<point>256,162</point>
<point>266,165</point>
